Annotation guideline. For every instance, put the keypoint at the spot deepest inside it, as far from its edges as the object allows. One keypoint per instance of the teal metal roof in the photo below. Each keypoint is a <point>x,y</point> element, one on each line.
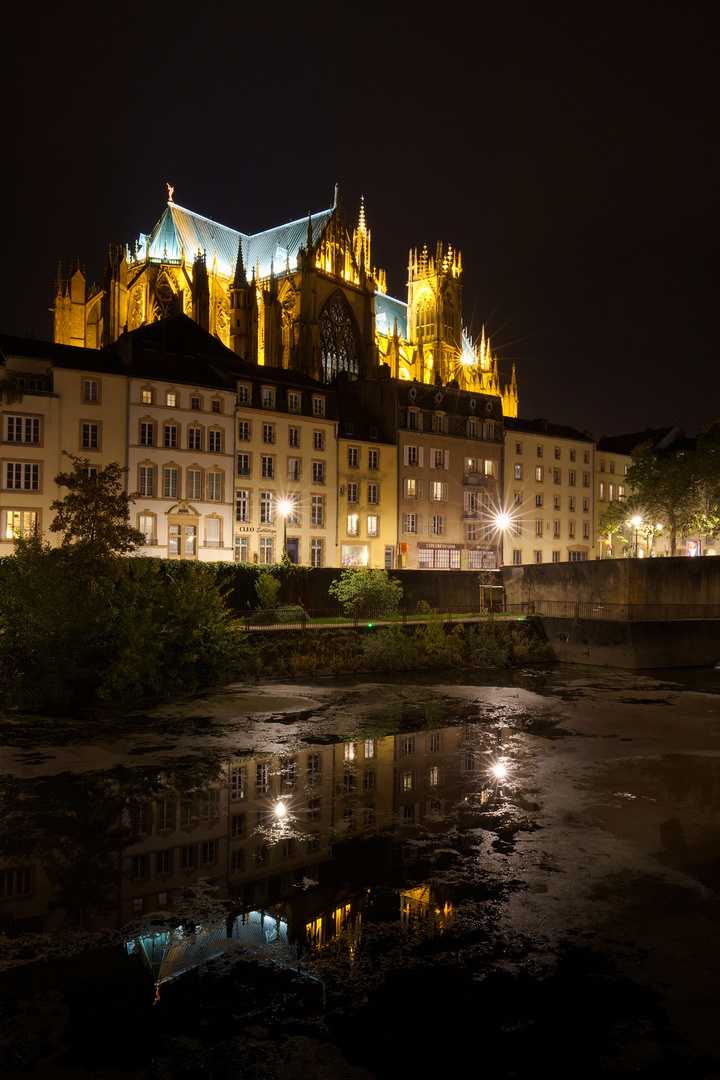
<point>387,309</point>
<point>181,230</point>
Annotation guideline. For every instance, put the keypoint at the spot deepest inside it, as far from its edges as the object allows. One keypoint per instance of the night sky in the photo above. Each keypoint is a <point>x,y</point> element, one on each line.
<point>568,150</point>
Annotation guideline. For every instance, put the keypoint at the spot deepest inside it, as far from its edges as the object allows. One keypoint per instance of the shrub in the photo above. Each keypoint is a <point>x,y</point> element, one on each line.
<point>367,591</point>
<point>267,588</point>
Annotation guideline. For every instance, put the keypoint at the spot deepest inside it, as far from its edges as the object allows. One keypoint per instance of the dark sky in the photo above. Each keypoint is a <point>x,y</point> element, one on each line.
<point>568,150</point>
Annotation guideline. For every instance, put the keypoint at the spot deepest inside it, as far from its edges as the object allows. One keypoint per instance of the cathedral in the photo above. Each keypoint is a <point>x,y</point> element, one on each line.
<point>303,296</point>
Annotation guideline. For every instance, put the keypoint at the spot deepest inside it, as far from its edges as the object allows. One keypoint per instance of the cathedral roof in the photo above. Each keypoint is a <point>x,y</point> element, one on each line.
<point>387,309</point>
<point>182,231</point>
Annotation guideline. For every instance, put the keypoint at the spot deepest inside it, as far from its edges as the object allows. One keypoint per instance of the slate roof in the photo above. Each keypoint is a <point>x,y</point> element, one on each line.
<point>387,309</point>
<point>180,229</point>
<point>625,444</point>
<point>541,426</point>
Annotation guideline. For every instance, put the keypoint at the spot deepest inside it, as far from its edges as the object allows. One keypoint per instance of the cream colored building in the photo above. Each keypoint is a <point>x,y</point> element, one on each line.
<point>548,479</point>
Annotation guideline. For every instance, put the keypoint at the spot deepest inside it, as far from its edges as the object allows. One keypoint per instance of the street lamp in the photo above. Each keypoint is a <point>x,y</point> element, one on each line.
<point>636,522</point>
<point>285,508</point>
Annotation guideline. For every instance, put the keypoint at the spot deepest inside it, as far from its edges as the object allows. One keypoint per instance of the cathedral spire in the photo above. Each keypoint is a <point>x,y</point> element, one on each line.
<point>239,280</point>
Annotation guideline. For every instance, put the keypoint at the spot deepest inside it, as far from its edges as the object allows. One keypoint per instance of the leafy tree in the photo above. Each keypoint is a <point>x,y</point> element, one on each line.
<point>267,588</point>
<point>9,392</point>
<point>365,590</point>
<point>95,514</point>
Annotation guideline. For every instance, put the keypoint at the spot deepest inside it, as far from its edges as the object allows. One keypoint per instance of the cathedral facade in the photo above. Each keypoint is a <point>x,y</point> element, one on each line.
<point>302,296</point>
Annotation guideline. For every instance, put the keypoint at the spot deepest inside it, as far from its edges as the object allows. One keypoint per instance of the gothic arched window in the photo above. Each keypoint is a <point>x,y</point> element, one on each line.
<point>339,344</point>
<point>425,317</point>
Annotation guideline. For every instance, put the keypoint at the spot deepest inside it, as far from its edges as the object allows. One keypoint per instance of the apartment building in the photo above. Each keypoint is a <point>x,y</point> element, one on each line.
<point>367,488</point>
<point>548,479</point>
<point>285,467</point>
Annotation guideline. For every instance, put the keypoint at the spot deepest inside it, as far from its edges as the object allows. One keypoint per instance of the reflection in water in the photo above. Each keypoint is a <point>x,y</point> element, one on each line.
<point>298,849</point>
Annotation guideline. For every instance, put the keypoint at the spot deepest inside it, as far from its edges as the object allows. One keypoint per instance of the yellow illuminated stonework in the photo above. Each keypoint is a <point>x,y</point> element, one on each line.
<point>302,296</point>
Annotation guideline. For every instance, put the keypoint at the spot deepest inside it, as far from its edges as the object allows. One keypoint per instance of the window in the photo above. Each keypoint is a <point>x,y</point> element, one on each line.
<point>170,435</point>
<point>539,527</point>
<point>237,860</point>
<point>319,406</point>
<point>208,852</point>
<point>187,856</point>
<point>438,459</point>
<point>170,399</point>
<point>268,467</point>
<point>577,556</point>
<point>353,457</point>
<point>294,436</point>
<point>195,403</point>
<point>411,455</point>
<point>539,473</point>
<point>318,510</point>
<point>410,523</point>
<point>556,502</point>
<point>517,557</point>
<point>518,498</point>
<point>194,484</point>
<point>412,488</point>
<point>162,862</point>
<point>242,505</point>
<point>266,507</point>
<point>556,476</point>
<point>216,406</point>
<point>316,552</point>
<point>293,515</point>
<point>611,466</point>
<point>146,485</point>
<point>237,826</point>
<point>572,455</point>
<point>352,493</point>
<point>556,530</point>
<point>266,550</point>
<point>372,494</point>
<point>318,440</point>
<point>601,491</point>
<point>373,459</point>
<point>170,483</point>
<point>147,433</point>
<point>25,429</point>
<point>556,556</point>
<point>436,525</point>
<point>518,448</point>
<point>539,450</point>
<point>20,523</point>
<point>538,500</point>
<point>146,525</point>
<point>214,486</point>
<point>293,469</point>
<point>352,525</point>
<point>602,466</point>
<point>586,506</point>
<point>586,479</point>
<point>243,464</point>
<point>438,491</point>
<point>268,398</point>
<point>138,866</point>
<point>571,530</point>
<point>407,745</point>
<point>557,453</point>
<point>91,390</point>
<point>243,394</point>
<point>372,525</point>
<point>586,530</point>
<point>22,476</point>
<point>318,472</point>
<point>571,478</point>
<point>518,527</point>
<point>147,396</point>
<point>537,556</point>
<point>518,472</point>
<point>215,442</point>
<point>90,436</point>
<point>293,402</point>
<point>243,431</point>
<point>194,438</point>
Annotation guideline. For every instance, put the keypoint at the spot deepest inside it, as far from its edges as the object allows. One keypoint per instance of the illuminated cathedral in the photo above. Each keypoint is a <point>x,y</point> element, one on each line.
<point>302,296</point>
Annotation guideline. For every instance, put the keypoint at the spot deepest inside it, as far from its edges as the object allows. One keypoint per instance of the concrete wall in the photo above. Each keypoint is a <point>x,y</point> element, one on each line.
<point>620,581</point>
<point>441,588</point>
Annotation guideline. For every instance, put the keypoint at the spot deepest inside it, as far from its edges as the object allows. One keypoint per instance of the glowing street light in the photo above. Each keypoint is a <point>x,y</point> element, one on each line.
<point>285,508</point>
<point>636,522</point>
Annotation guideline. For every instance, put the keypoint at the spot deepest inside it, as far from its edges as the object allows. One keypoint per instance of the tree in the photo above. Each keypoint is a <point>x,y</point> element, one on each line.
<point>9,391</point>
<point>371,591</point>
<point>95,514</point>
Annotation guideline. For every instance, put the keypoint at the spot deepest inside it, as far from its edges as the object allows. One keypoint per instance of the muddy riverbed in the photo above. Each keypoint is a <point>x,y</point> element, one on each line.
<point>422,873</point>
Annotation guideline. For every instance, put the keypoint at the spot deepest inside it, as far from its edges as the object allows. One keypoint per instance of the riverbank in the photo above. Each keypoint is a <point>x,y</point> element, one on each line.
<point>347,650</point>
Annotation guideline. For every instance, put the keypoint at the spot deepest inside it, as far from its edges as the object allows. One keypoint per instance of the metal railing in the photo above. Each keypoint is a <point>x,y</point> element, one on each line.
<point>590,609</point>
<point>293,617</point>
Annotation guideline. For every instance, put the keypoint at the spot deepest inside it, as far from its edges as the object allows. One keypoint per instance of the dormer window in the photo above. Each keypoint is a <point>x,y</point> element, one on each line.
<point>268,397</point>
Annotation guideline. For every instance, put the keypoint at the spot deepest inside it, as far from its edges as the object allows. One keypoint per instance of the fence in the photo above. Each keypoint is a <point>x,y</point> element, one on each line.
<point>574,609</point>
<point>298,618</point>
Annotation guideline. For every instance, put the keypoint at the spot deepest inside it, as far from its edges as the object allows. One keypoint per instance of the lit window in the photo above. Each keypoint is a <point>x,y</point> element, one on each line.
<point>170,400</point>
<point>352,525</point>
<point>147,397</point>
<point>518,472</point>
<point>372,525</point>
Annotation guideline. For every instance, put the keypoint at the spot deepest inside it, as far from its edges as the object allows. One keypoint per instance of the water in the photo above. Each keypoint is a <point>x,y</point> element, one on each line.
<point>350,878</point>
